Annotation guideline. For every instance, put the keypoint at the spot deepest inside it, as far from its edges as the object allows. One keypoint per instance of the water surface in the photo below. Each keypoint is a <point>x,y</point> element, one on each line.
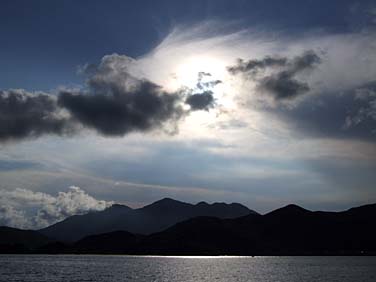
<point>67,268</point>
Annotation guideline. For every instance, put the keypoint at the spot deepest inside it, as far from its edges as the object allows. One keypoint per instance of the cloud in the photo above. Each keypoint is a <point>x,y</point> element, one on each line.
<point>366,112</point>
<point>24,208</point>
<point>116,114</point>
<point>348,114</point>
<point>201,101</point>
<point>205,84</point>
<point>124,95</point>
<point>27,115</point>
<point>312,128</point>
<point>252,66</point>
<point>114,103</point>
<point>12,217</point>
<point>277,75</point>
<point>117,103</point>
<point>309,78</point>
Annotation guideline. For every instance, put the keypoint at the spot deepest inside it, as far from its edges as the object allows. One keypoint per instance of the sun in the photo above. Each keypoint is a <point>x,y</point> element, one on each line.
<point>192,70</point>
<point>187,71</point>
<point>200,73</point>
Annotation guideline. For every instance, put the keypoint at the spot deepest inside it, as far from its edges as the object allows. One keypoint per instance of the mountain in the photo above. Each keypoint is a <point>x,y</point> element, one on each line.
<point>78,226</point>
<point>290,230</point>
<point>18,240</point>
<point>149,219</point>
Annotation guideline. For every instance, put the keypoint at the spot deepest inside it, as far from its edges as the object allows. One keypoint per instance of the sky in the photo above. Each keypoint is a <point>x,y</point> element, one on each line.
<point>264,103</point>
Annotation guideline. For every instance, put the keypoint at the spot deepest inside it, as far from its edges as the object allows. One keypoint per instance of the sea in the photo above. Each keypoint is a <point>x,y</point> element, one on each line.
<point>69,268</point>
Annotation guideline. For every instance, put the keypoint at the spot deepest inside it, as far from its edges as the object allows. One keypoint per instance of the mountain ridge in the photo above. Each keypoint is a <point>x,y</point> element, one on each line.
<point>290,230</point>
<point>151,218</point>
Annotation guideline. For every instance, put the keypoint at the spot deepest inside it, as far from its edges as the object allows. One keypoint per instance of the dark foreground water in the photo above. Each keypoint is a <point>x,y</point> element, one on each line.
<point>129,268</point>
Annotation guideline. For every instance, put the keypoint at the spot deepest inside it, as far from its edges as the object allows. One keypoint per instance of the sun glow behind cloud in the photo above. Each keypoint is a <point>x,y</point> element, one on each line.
<point>186,71</point>
<point>195,74</point>
<point>176,64</point>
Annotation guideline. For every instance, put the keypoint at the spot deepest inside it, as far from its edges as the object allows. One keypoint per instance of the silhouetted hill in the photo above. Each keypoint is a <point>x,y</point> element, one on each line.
<point>78,226</point>
<point>290,230</point>
<point>149,219</point>
<point>287,211</point>
<point>200,235</point>
<point>18,240</point>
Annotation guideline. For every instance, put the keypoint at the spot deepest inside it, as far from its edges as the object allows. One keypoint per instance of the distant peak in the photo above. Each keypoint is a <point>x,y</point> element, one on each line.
<point>293,207</point>
<point>202,203</point>
<point>289,209</point>
<point>166,202</point>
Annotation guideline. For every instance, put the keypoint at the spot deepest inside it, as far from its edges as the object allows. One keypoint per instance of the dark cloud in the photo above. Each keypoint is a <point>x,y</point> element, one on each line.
<point>201,101</point>
<point>202,85</point>
<point>308,60</point>
<point>114,103</point>
<point>348,114</point>
<point>351,114</point>
<point>276,76</point>
<point>282,85</point>
<point>105,107</point>
<point>211,84</point>
<point>117,111</point>
<point>366,113</point>
<point>202,98</point>
<point>25,115</point>
<point>254,65</point>
<point>117,103</point>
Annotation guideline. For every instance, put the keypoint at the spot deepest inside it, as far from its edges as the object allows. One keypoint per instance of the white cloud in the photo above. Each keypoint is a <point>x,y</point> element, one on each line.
<point>10,216</point>
<point>24,208</point>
